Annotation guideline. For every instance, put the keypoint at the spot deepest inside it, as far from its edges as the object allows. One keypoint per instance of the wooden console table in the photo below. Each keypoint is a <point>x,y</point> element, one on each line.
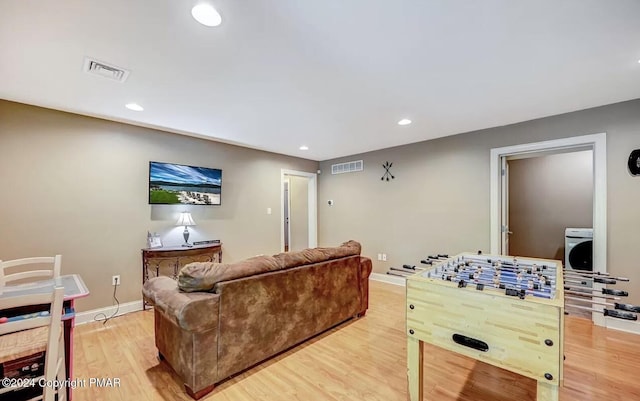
<point>168,261</point>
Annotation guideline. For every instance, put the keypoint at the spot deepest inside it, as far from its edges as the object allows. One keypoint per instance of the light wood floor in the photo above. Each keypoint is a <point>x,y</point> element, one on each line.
<point>361,360</point>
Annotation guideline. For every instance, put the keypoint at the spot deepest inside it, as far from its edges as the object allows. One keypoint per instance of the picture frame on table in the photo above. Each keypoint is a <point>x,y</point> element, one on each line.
<point>154,241</point>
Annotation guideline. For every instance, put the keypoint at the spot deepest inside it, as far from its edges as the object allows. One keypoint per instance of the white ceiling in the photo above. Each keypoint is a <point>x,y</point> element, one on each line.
<point>334,75</point>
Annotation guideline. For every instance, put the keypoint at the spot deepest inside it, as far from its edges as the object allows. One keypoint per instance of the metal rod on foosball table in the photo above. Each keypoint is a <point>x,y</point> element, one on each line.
<point>396,274</point>
<point>608,312</point>
<point>605,291</point>
<point>576,282</point>
<point>401,271</point>
<point>413,268</point>
<point>596,278</point>
<point>616,305</point>
<point>592,275</point>
<point>590,295</point>
<point>588,281</point>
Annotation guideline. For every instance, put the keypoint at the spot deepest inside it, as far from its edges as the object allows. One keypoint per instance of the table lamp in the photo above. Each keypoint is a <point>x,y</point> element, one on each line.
<point>185,220</point>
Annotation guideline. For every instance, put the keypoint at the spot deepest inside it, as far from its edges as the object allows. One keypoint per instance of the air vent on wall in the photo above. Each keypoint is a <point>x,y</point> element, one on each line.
<point>105,70</point>
<point>348,167</point>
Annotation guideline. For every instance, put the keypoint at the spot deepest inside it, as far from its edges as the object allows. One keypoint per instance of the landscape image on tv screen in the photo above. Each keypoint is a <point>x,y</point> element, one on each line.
<point>188,185</point>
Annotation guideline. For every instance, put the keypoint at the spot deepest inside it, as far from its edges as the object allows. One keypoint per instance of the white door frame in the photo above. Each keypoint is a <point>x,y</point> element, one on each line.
<point>286,213</point>
<point>504,211</point>
<point>598,142</point>
<point>312,190</point>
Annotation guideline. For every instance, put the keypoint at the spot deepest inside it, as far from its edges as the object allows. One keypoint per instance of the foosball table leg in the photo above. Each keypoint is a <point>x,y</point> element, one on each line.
<point>548,392</point>
<point>414,368</point>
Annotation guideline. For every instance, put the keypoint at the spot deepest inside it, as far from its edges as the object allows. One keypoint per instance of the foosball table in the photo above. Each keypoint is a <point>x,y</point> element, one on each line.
<point>505,311</point>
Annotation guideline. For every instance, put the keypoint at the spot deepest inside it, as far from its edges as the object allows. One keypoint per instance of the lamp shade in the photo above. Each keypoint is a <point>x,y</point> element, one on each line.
<point>185,219</point>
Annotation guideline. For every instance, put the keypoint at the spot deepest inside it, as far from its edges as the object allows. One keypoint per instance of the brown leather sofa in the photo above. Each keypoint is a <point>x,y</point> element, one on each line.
<point>220,319</point>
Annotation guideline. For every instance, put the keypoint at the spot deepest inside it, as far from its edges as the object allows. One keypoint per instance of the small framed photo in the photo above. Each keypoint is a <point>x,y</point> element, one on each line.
<point>154,242</point>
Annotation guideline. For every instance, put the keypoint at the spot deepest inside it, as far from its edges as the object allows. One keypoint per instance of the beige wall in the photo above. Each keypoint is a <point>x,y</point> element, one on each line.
<point>299,213</point>
<point>439,200</point>
<point>79,186</point>
<point>546,195</point>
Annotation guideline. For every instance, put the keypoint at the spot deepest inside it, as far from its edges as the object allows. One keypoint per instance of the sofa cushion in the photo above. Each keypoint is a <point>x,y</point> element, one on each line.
<point>316,255</point>
<point>203,276</point>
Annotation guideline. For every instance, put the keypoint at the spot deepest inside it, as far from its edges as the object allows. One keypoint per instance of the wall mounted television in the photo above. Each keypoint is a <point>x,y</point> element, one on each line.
<point>184,185</point>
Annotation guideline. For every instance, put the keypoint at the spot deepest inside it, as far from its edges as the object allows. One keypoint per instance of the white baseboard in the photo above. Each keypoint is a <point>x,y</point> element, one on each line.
<point>388,278</point>
<point>89,316</point>
<point>628,326</point>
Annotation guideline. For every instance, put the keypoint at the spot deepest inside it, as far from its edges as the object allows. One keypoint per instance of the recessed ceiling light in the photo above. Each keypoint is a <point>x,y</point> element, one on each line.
<point>304,147</point>
<point>206,15</point>
<point>134,107</point>
<point>404,121</point>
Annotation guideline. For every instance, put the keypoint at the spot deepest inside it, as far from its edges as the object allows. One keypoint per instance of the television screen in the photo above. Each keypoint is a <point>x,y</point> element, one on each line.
<point>188,185</point>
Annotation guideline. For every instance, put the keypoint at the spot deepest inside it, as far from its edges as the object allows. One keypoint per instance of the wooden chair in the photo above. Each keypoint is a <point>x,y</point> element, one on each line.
<point>54,261</point>
<point>20,337</point>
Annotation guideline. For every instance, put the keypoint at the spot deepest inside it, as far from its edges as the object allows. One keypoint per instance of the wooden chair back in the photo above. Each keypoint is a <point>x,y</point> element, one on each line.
<point>53,262</point>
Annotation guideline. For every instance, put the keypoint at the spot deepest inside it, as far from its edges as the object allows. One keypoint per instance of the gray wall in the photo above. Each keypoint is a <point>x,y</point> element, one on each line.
<point>78,186</point>
<point>439,200</point>
<point>546,195</point>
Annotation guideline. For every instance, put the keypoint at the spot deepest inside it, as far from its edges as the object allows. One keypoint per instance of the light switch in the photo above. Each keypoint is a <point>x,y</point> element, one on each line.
<point>268,210</point>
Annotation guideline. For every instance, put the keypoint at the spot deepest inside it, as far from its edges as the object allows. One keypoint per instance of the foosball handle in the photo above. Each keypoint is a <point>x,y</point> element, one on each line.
<point>617,293</point>
<point>409,267</point>
<point>620,315</point>
<point>426,262</point>
<point>604,280</point>
<point>627,307</point>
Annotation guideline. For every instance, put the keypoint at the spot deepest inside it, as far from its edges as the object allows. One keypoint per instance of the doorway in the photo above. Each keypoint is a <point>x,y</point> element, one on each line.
<point>298,228</point>
<point>498,188</point>
<point>546,194</point>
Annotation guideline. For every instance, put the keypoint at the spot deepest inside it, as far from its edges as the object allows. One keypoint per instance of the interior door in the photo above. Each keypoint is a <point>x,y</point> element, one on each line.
<point>298,213</point>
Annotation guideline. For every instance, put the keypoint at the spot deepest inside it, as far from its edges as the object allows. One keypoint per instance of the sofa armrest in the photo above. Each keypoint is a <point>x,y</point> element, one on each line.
<point>193,311</point>
<point>365,270</point>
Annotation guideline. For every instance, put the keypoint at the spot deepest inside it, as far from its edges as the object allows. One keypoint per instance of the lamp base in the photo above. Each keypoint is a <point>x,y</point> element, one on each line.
<point>185,234</point>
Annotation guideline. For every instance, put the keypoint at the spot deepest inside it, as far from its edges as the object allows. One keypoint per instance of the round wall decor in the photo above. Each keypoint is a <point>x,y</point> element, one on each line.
<point>634,162</point>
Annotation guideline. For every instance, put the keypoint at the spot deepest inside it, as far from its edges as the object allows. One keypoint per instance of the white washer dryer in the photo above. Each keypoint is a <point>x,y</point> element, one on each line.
<point>578,249</point>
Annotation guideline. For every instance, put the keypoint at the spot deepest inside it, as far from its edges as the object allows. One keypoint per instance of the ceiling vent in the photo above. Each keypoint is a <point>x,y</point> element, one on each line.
<point>348,167</point>
<point>105,70</point>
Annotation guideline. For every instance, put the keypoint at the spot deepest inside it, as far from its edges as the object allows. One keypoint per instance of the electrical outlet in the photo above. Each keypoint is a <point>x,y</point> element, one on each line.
<point>379,256</point>
<point>115,280</point>
<point>384,257</point>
